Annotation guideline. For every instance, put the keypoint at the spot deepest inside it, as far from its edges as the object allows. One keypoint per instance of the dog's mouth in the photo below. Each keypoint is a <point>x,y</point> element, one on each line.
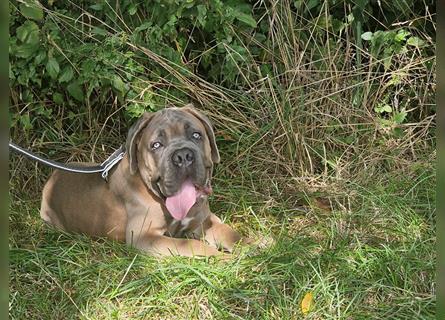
<point>180,203</point>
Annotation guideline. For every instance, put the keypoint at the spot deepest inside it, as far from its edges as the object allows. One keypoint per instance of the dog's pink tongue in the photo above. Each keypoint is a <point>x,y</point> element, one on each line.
<point>180,204</point>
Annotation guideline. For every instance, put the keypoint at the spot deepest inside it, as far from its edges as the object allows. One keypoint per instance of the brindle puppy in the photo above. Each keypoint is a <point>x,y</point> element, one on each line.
<point>155,196</point>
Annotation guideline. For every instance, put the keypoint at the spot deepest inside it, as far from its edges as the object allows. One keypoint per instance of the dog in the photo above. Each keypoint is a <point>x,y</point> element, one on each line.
<point>156,198</point>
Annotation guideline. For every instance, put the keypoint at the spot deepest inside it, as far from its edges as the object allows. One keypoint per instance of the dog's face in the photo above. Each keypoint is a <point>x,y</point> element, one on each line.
<point>174,150</point>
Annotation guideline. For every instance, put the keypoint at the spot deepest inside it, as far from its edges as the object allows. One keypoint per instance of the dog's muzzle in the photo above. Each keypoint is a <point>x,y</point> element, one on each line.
<point>183,157</point>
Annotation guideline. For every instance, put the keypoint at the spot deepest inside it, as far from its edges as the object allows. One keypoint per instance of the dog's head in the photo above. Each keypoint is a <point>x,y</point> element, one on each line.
<point>173,150</point>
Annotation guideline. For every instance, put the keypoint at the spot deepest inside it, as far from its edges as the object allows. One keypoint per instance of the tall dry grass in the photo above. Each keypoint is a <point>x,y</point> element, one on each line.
<point>308,125</point>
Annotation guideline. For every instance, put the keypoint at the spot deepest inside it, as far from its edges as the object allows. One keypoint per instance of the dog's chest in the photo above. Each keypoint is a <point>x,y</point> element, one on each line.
<point>187,227</point>
<point>184,224</point>
<point>184,227</point>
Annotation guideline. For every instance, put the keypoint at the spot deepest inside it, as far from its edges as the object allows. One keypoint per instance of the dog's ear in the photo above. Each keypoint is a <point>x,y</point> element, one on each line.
<point>132,139</point>
<point>208,126</point>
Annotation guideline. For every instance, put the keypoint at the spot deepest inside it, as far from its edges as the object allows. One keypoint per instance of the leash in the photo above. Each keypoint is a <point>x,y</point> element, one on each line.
<point>103,168</point>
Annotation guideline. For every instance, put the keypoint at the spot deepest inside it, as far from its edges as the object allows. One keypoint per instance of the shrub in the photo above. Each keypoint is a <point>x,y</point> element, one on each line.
<point>325,84</point>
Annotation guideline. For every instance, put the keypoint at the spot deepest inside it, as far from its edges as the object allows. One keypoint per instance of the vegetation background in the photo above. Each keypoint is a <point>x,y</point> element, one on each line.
<point>325,118</point>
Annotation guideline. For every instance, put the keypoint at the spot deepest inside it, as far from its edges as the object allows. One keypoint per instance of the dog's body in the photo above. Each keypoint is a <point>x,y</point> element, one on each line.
<point>156,197</point>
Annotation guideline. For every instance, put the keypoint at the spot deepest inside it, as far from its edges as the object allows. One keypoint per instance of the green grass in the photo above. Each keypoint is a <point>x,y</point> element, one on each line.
<point>346,192</point>
<point>371,259</point>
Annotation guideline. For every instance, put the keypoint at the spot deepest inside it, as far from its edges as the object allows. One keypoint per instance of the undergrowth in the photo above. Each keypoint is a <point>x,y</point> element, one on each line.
<point>325,119</point>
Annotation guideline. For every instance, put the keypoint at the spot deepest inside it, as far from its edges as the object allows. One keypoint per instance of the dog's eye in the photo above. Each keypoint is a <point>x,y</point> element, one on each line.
<point>156,145</point>
<point>196,135</point>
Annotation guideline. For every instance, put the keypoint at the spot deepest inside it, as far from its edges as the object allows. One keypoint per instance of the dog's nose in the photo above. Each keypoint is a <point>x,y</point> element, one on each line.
<point>183,157</point>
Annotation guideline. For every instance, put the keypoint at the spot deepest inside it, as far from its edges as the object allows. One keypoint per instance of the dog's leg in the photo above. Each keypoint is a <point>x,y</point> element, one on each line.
<point>48,214</point>
<point>148,235</point>
<point>163,246</point>
<point>218,234</point>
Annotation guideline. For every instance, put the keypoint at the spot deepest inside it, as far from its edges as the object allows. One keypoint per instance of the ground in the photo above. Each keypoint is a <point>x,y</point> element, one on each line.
<point>368,253</point>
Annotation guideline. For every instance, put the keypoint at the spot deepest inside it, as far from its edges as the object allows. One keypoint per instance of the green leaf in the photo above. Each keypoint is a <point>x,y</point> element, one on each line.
<point>385,122</point>
<point>118,84</point>
<point>398,133</point>
<point>367,36</point>
<point>72,115</point>
<point>75,90</point>
<point>66,75</point>
<point>28,32</point>
<point>387,56</point>
<point>143,27</point>
<point>401,35</point>
<point>88,66</point>
<point>245,18</point>
<point>97,7</point>
<point>202,12</point>
<point>31,11</point>
<point>132,9</point>
<point>26,50</point>
<point>52,66</point>
<point>415,42</point>
<point>40,57</point>
<point>43,111</point>
<point>58,98</point>
<point>297,4</point>
<point>377,42</point>
<point>312,4</point>
<point>399,117</point>
<point>26,121</point>
<point>395,79</point>
<point>383,108</point>
<point>135,110</point>
<point>361,4</point>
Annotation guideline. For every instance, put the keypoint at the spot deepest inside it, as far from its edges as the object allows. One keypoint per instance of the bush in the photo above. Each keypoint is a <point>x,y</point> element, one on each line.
<point>309,78</point>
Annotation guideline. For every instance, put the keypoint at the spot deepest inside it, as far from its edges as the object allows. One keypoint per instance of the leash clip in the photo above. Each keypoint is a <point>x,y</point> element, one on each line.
<point>111,162</point>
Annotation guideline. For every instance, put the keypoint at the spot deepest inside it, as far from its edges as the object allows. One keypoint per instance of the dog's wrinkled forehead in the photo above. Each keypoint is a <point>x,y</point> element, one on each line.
<point>172,123</point>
